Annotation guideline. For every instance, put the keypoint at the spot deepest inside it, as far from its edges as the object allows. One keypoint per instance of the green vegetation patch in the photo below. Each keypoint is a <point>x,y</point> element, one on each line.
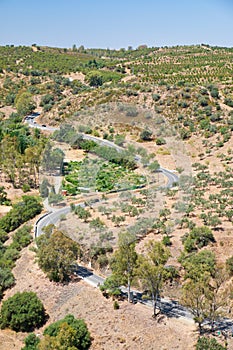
<point>101,176</point>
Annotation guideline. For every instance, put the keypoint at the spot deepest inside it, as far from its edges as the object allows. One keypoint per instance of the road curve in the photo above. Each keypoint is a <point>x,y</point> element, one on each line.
<point>54,217</point>
<point>169,307</point>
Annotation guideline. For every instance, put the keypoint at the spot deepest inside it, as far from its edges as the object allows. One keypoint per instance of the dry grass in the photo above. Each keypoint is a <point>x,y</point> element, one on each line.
<point>130,327</point>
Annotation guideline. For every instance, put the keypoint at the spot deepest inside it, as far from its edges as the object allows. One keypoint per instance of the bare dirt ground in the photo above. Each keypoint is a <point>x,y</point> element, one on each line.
<point>76,76</point>
<point>7,110</point>
<point>130,327</point>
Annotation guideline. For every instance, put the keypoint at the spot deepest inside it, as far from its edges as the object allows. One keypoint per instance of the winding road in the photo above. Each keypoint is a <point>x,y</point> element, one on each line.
<point>170,307</point>
<point>54,216</point>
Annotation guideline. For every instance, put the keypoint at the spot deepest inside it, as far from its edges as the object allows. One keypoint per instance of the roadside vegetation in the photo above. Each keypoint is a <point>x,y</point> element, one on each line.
<point>168,107</point>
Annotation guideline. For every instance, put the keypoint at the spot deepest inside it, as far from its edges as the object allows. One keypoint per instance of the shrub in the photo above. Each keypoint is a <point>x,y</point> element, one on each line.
<point>228,101</point>
<point>160,141</point>
<point>23,312</point>
<point>7,280</point>
<point>156,97</point>
<point>203,102</point>
<point>31,342</point>
<point>131,111</point>
<point>20,213</point>
<point>166,241</point>
<point>46,100</point>
<point>197,238</point>
<point>26,188</point>
<point>22,237</point>
<point>116,306</point>
<point>69,332</point>
<point>146,135</point>
<point>204,343</point>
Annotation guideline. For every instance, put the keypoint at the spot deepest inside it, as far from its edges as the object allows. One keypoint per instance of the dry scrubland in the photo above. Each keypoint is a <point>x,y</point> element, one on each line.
<point>184,96</point>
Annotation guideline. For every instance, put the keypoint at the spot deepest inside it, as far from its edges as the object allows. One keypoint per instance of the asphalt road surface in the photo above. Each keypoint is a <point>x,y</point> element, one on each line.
<point>169,307</point>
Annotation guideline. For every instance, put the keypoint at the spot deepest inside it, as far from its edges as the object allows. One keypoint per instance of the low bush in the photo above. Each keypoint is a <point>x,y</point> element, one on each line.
<point>22,312</point>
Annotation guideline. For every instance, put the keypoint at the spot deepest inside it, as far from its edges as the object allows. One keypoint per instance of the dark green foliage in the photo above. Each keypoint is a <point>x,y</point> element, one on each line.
<point>166,241</point>
<point>198,264</point>
<point>25,104</point>
<point>31,342</point>
<point>203,102</point>
<point>146,135</point>
<point>204,343</point>
<point>160,141</point>
<point>7,280</point>
<point>96,78</point>
<point>116,306</point>
<point>228,101</point>
<point>46,99</point>
<point>197,238</point>
<point>82,213</point>
<point>22,238</point>
<point>113,156</point>
<point>119,139</point>
<point>124,260</point>
<point>80,338</point>
<point>66,133</point>
<point>111,285</point>
<point>9,257</point>
<point>98,249</point>
<point>23,312</point>
<point>21,212</point>
<point>56,254</point>
<point>3,235</point>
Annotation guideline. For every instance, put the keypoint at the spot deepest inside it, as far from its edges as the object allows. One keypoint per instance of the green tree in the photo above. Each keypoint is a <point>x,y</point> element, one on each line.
<point>56,253</point>
<point>197,238</point>
<point>21,212</point>
<point>24,103</point>
<point>95,79</point>
<point>44,191</point>
<point>82,213</point>
<point>202,289</point>
<point>198,264</point>
<point>154,166</point>
<point>124,261</point>
<point>112,285</point>
<point>68,333</point>
<point>22,312</point>
<point>151,270</point>
<point>53,159</point>
<point>195,297</point>
<point>54,198</point>
<point>21,238</point>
